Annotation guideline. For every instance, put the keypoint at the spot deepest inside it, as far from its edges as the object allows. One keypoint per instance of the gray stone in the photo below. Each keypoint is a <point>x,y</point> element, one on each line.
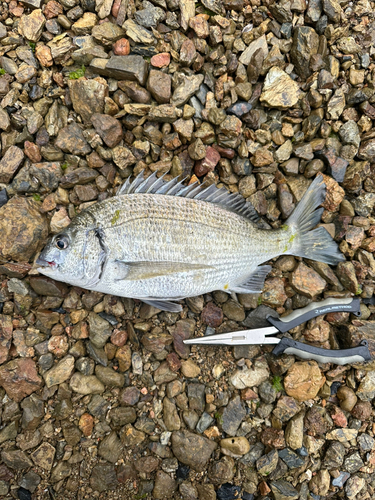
<point>259,43</point>
<point>131,67</point>
<point>232,416</point>
<point>191,449</point>
<point>189,86</point>
<point>305,44</point>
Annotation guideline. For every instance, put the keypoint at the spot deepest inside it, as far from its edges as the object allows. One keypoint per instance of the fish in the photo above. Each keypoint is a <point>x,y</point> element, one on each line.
<point>162,242</point>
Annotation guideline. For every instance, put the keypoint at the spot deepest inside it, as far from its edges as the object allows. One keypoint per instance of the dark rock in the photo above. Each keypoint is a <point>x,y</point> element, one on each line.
<point>103,478</point>
<point>305,44</point>
<point>71,140</point>
<point>108,128</point>
<point>191,449</point>
<point>232,416</point>
<point>291,458</point>
<point>228,492</point>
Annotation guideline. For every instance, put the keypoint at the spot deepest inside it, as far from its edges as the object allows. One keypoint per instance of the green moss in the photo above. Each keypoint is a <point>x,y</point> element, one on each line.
<point>115,217</point>
<point>32,46</point>
<point>259,300</point>
<point>2,71</point>
<point>219,418</point>
<point>359,290</point>
<point>64,166</point>
<point>36,196</point>
<point>276,383</point>
<point>74,75</point>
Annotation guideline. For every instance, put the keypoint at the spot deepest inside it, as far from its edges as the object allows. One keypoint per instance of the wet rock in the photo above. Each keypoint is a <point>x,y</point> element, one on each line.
<point>16,459</point>
<point>159,85</point>
<point>31,26</point>
<point>189,86</point>
<point>10,163</point>
<point>303,380</point>
<point>86,384</point>
<point>279,90</point>
<point>283,490</point>
<point>164,487</point>
<point>232,416</point>
<point>305,44</point>
<point>71,140</point>
<point>44,456</point>
<point>191,449</point>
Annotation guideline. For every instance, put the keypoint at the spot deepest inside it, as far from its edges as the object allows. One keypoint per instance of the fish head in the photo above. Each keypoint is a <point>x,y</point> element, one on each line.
<point>63,256</point>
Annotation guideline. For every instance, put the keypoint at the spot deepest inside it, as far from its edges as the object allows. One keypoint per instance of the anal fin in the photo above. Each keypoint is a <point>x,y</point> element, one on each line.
<point>254,282</point>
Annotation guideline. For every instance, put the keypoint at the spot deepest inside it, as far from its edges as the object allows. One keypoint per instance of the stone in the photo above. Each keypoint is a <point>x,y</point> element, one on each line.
<point>237,446</point>
<point>279,90</point>
<point>307,282</point>
<point>159,84</point>
<point>108,128</point>
<point>208,164</point>
<point>259,43</point>
<point>353,486</point>
<point>164,486</point>
<point>6,330</point>
<point>22,228</point>
<point>16,459</point>
<point>336,105</point>
<point>86,384</point>
<point>87,96</point>
<point>283,490</point>
<point>31,26</point>
<point>109,377</point>
<point>189,369</point>
<point>232,416</point>
<point>131,67</point>
<point>305,44</point>
<point>60,372</point>
<point>71,140</point>
<point>367,151</point>
<point>170,415</point>
<point>251,377</point>
<point>103,478</point>
<point>366,389</point>
<point>10,163</point>
<point>191,449</point>
<point>110,448</point>
<point>19,378</point>
<point>294,432</point>
<point>44,456</point>
<point>188,87</point>
<point>161,60</point>
<point>303,380</point>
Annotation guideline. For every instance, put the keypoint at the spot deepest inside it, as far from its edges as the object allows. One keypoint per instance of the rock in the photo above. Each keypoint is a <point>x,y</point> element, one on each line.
<point>6,330</point>
<point>342,435</point>
<point>170,415</point>
<point>283,490</point>
<point>232,416</point>
<point>259,43</point>
<point>164,487</point>
<point>44,456</point>
<point>303,380</point>
<point>336,105</point>
<point>132,67</point>
<point>366,389</point>
<point>108,128</point>
<point>189,369</point>
<point>212,315</point>
<point>22,228</point>
<point>347,276</point>
<point>319,484</point>
<point>279,90</point>
<point>367,151</point>
<point>19,378</point>
<point>305,44</point>
<point>294,432</point>
<point>207,164</point>
<point>87,96</point>
<point>354,486</point>
<point>161,60</point>
<point>189,86</point>
<point>237,446</point>
<point>103,478</point>
<point>60,372</point>
<point>110,448</point>
<point>109,377</point>
<point>86,384</point>
<point>191,449</point>
<point>251,377</point>
<point>267,463</point>
<point>10,163</point>
<point>307,282</point>
<point>71,140</point>
<point>159,84</point>
<point>16,459</point>
<point>31,26</point>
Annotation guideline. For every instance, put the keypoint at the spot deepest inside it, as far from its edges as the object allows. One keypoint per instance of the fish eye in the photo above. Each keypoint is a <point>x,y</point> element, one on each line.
<point>62,242</point>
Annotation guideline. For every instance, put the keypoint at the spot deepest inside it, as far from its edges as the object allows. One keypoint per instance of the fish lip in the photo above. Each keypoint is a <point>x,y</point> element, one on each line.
<point>45,263</point>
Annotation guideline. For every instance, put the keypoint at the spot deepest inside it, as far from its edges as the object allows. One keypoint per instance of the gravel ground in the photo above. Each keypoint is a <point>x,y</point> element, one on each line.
<point>99,397</point>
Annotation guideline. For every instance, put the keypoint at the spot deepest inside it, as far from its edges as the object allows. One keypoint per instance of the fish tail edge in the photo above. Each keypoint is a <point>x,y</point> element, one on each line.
<point>315,244</point>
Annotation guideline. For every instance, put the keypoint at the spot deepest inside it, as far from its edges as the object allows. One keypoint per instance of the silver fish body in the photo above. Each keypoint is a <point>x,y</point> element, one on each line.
<point>159,247</point>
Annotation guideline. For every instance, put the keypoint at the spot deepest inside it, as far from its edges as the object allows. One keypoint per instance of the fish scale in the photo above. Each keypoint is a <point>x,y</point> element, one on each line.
<point>159,241</point>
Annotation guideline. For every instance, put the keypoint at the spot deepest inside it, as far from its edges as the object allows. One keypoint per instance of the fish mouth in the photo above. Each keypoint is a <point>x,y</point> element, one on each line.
<point>45,263</point>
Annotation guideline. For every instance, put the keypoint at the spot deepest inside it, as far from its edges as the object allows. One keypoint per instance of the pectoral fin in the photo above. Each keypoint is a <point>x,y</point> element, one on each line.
<point>255,281</point>
<point>164,305</point>
<point>147,270</point>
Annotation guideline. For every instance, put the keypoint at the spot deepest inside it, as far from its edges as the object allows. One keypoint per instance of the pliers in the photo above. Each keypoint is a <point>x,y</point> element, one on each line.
<point>286,345</point>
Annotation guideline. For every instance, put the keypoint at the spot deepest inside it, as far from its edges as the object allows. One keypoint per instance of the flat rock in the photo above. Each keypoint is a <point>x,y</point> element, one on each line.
<point>305,44</point>
<point>186,89</point>
<point>6,330</point>
<point>44,456</point>
<point>10,163</point>
<point>303,380</point>
<point>307,282</point>
<point>31,26</point>
<point>16,459</point>
<point>279,90</point>
<point>103,478</point>
<point>132,67</point>
<point>22,229</point>
<point>191,449</point>
<point>232,416</point>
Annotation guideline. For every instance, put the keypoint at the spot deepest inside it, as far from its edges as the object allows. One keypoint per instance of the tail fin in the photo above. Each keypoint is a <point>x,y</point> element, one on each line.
<point>316,244</point>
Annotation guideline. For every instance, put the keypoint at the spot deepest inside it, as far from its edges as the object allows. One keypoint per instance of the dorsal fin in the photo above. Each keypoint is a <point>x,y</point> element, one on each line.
<point>153,185</point>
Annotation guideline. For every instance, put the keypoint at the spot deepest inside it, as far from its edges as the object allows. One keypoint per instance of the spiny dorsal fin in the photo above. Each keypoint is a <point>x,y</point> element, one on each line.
<point>153,185</point>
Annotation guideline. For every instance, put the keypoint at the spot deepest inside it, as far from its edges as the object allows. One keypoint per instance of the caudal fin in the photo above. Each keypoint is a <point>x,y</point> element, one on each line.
<point>314,244</point>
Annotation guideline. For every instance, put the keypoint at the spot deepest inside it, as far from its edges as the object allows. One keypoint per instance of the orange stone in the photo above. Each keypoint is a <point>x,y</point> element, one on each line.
<point>121,47</point>
<point>32,151</point>
<point>86,424</point>
<point>161,60</point>
<point>116,8</point>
